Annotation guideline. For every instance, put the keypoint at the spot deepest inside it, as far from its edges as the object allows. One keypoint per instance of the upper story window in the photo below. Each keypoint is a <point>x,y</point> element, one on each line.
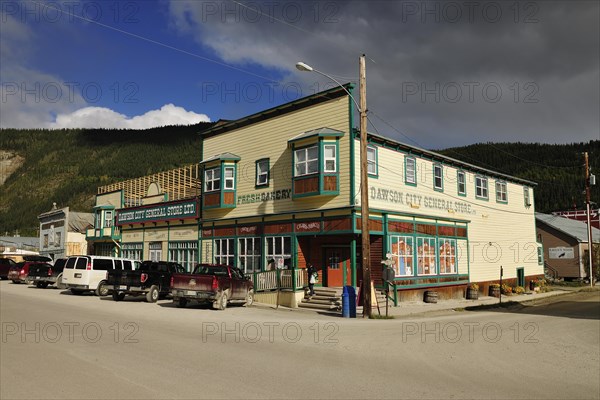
<point>461,179</point>
<point>501,192</point>
<point>108,219</point>
<point>438,177</point>
<point>229,178</point>
<point>262,172</point>
<point>481,187</point>
<point>372,160</point>
<point>306,161</point>
<point>410,170</point>
<point>526,197</point>
<point>212,179</point>
<point>329,158</point>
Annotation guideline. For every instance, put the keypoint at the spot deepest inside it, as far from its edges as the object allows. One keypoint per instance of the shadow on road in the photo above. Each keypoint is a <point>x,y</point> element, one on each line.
<point>582,305</point>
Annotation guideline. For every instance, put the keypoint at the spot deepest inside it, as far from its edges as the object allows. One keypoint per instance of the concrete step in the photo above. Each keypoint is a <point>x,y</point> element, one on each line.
<point>326,291</point>
<point>321,297</point>
<point>321,301</point>
<point>319,306</point>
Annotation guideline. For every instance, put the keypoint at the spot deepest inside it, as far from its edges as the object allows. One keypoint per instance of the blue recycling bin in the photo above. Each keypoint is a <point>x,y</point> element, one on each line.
<point>348,302</point>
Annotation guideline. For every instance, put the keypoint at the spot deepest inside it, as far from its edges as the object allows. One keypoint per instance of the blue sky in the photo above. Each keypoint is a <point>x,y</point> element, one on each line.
<point>440,74</point>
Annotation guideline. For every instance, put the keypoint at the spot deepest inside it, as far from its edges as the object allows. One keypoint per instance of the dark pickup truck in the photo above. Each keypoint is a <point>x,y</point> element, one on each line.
<point>151,279</point>
<point>209,283</point>
<point>5,265</point>
<point>42,275</point>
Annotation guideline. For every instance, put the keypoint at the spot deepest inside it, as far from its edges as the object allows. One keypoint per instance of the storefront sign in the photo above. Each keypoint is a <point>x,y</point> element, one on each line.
<point>266,196</point>
<point>561,252</point>
<point>308,226</point>
<point>162,212</point>
<point>431,202</point>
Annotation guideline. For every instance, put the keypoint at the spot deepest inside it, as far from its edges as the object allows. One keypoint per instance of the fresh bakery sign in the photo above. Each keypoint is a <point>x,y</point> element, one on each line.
<point>410,199</point>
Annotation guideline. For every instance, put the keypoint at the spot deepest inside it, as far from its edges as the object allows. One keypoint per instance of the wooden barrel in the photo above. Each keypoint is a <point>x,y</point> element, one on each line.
<point>494,291</point>
<point>472,294</point>
<point>431,296</point>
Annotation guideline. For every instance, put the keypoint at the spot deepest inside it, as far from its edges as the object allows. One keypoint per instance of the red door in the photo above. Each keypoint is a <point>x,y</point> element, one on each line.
<point>337,264</point>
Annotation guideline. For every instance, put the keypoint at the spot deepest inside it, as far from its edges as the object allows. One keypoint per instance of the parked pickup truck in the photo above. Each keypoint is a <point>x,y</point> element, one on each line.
<point>5,265</point>
<point>209,283</point>
<point>151,279</point>
<point>42,275</point>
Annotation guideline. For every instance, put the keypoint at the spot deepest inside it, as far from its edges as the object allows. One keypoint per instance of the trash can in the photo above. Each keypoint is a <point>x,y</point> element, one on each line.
<point>348,302</point>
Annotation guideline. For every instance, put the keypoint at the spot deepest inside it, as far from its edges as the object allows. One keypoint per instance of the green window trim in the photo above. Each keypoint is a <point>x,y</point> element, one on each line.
<point>259,173</point>
<point>462,173</point>
<point>321,172</point>
<point>413,179</point>
<point>485,187</point>
<point>438,167</point>
<point>540,251</point>
<point>374,162</point>
<point>501,191</point>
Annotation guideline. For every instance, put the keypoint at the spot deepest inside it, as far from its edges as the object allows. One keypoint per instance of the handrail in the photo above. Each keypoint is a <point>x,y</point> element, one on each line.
<point>294,279</point>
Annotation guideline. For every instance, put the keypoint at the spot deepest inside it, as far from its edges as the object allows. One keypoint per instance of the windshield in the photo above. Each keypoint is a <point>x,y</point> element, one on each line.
<point>209,270</point>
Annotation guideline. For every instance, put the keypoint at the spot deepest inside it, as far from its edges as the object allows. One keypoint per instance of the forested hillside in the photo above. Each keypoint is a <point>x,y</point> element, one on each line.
<point>67,166</point>
<point>557,169</point>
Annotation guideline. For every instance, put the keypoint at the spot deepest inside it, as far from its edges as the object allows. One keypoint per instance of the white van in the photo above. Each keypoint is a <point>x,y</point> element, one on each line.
<point>88,273</point>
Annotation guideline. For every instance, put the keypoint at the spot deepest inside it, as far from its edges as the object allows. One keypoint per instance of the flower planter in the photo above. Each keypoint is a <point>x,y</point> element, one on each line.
<point>430,296</point>
<point>472,294</point>
<point>494,291</point>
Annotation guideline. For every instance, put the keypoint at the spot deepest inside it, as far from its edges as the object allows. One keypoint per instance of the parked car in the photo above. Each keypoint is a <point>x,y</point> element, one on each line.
<point>42,275</point>
<point>152,279</point>
<point>18,273</point>
<point>5,265</point>
<point>216,284</point>
<point>88,273</point>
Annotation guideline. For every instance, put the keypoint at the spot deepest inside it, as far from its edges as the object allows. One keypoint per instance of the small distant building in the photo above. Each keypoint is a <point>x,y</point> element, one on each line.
<point>62,232</point>
<point>565,244</point>
<point>19,242</point>
<point>581,215</point>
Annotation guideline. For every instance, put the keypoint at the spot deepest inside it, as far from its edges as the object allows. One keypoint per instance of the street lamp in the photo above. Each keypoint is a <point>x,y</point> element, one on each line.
<point>364,185</point>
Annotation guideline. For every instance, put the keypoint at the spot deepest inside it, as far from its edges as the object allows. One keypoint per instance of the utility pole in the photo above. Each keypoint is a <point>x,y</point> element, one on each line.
<point>364,192</point>
<point>589,223</point>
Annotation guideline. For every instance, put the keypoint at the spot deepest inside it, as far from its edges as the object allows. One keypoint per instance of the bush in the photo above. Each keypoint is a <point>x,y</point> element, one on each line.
<point>506,289</point>
<point>519,290</point>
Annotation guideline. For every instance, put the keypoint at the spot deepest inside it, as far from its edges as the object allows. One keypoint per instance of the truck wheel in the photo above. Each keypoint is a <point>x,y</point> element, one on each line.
<point>118,296</point>
<point>152,294</point>
<point>249,298</point>
<point>181,302</point>
<point>102,290</point>
<point>221,303</point>
<point>59,284</point>
<point>16,282</point>
<point>43,285</point>
<point>38,285</point>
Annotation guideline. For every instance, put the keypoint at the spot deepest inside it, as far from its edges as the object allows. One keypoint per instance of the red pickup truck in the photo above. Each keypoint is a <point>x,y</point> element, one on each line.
<point>209,283</point>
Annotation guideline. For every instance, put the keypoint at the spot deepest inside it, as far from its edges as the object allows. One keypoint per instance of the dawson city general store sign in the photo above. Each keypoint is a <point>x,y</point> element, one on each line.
<point>188,209</point>
<point>431,202</point>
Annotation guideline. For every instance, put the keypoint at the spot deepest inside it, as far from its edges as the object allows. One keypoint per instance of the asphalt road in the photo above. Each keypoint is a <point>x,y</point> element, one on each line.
<point>56,345</point>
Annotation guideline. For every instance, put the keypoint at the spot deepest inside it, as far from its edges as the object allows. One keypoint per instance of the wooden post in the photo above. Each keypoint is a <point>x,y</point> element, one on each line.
<point>589,223</point>
<point>364,192</point>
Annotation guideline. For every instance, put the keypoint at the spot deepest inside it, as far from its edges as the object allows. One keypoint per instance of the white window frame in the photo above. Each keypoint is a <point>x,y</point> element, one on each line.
<point>184,253</point>
<point>501,192</point>
<point>448,262</point>
<point>526,197</point>
<point>301,168</point>
<point>410,174</point>
<point>133,251</point>
<point>437,168</point>
<point>424,256</point>
<point>249,254</point>
<point>224,251</point>
<point>327,158</point>
<point>229,181</point>
<point>402,251</point>
<point>372,160</point>
<point>212,180</point>
<point>262,172</point>
<point>275,248</point>
<point>481,187</point>
<point>57,238</point>
<point>108,218</point>
<point>462,182</point>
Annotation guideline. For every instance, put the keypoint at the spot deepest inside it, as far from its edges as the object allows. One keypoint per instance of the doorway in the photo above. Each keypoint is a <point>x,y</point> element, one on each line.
<point>337,271</point>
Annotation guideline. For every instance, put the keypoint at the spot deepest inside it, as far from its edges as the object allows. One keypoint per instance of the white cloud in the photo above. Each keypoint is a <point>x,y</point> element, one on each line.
<point>99,117</point>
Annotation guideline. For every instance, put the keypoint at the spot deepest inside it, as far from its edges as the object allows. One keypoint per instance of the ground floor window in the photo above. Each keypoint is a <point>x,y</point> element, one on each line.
<point>133,251</point>
<point>155,251</point>
<point>224,251</point>
<point>249,254</point>
<point>447,253</point>
<point>104,249</point>
<point>279,252</point>
<point>401,248</point>
<point>184,253</point>
<point>426,256</point>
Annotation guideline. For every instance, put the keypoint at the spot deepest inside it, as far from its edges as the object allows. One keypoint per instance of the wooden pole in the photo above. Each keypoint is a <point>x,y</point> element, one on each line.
<point>364,191</point>
<point>589,223</point>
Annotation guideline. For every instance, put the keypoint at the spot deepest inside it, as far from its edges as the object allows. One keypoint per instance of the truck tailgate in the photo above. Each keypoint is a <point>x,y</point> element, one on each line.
<point>192,282</point>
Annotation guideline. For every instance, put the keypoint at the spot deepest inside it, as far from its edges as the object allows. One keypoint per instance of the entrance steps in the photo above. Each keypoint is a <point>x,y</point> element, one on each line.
<point>325,298</point>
